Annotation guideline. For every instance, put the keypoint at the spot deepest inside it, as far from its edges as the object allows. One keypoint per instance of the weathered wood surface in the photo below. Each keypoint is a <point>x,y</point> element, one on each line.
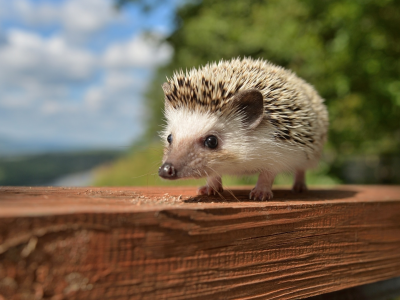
<point>158,243</point>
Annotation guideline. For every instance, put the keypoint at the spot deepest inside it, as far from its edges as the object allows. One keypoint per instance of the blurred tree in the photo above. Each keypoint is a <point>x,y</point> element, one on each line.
<point>348,49</point>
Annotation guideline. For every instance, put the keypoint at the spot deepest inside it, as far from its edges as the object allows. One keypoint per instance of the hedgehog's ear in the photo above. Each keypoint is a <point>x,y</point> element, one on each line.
<point>250,103</point>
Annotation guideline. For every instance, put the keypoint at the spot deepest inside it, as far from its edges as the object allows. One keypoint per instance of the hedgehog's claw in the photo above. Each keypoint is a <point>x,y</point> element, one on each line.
<point>261,194</point>
<point>262,190</point>
<point>213,187</point>
<point>209,191</point>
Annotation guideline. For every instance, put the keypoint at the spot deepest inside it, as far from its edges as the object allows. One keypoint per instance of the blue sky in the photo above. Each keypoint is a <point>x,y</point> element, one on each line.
<point>73,72</point>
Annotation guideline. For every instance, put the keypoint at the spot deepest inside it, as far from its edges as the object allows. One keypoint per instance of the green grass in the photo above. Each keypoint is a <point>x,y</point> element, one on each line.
<point>139,167</point>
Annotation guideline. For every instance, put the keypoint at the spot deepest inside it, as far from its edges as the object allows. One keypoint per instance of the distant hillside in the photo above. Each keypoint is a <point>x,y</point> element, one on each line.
<point>41,169</point>
<point>15,147</point>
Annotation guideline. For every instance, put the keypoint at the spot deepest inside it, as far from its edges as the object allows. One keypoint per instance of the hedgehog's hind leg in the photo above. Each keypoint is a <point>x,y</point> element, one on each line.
<point>213,187</point>
<point>299,185</point>
<point>262,191</point>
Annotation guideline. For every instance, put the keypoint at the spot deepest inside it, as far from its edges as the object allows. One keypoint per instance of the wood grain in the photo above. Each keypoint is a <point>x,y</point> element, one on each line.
<point>160,243</point>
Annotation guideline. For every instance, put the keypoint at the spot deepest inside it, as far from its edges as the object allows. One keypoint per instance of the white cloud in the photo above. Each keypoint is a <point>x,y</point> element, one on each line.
<point>36,81</point>
<point>30,60</point>
<point>53,88</point>
<point>118,91</point>
<point>87,16</point>
<point>3,38</point>
<point>140,51</point>
<point>33,13</point>
<point>77,18</point>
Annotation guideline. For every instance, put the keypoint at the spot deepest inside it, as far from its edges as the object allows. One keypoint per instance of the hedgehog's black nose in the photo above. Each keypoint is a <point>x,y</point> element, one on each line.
<point>167,171</point>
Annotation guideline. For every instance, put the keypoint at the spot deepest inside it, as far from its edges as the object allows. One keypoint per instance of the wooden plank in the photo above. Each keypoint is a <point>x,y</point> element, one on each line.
<point>160,243</point>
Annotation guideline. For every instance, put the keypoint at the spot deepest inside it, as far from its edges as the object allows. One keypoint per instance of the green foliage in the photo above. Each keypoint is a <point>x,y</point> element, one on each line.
<point>348,49</point>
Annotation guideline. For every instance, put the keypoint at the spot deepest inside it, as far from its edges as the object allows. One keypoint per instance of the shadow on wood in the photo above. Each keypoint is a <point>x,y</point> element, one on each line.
<point>383,290</point>
<point>241,195</point>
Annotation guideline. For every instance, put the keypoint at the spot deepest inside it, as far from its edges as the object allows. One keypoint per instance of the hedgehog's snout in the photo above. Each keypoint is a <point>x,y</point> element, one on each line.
<point>167,171</point>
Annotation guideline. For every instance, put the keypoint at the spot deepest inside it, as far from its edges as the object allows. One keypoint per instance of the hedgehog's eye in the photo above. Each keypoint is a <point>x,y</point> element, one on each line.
<point>169,138</point>
<point>211,142</point>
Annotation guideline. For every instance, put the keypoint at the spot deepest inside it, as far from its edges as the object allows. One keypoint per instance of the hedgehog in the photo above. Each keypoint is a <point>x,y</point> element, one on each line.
<point>241,117</point>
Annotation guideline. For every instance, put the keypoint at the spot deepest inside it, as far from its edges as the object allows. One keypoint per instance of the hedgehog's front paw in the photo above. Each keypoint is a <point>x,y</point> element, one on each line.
<point>208,190</point>
<point>299,187</point>
<point>261,193</point>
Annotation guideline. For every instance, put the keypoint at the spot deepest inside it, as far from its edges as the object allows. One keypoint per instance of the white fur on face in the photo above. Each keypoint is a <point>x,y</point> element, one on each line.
<point>240,150</point>
<point>185,125</point>
<point>187,152</point>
